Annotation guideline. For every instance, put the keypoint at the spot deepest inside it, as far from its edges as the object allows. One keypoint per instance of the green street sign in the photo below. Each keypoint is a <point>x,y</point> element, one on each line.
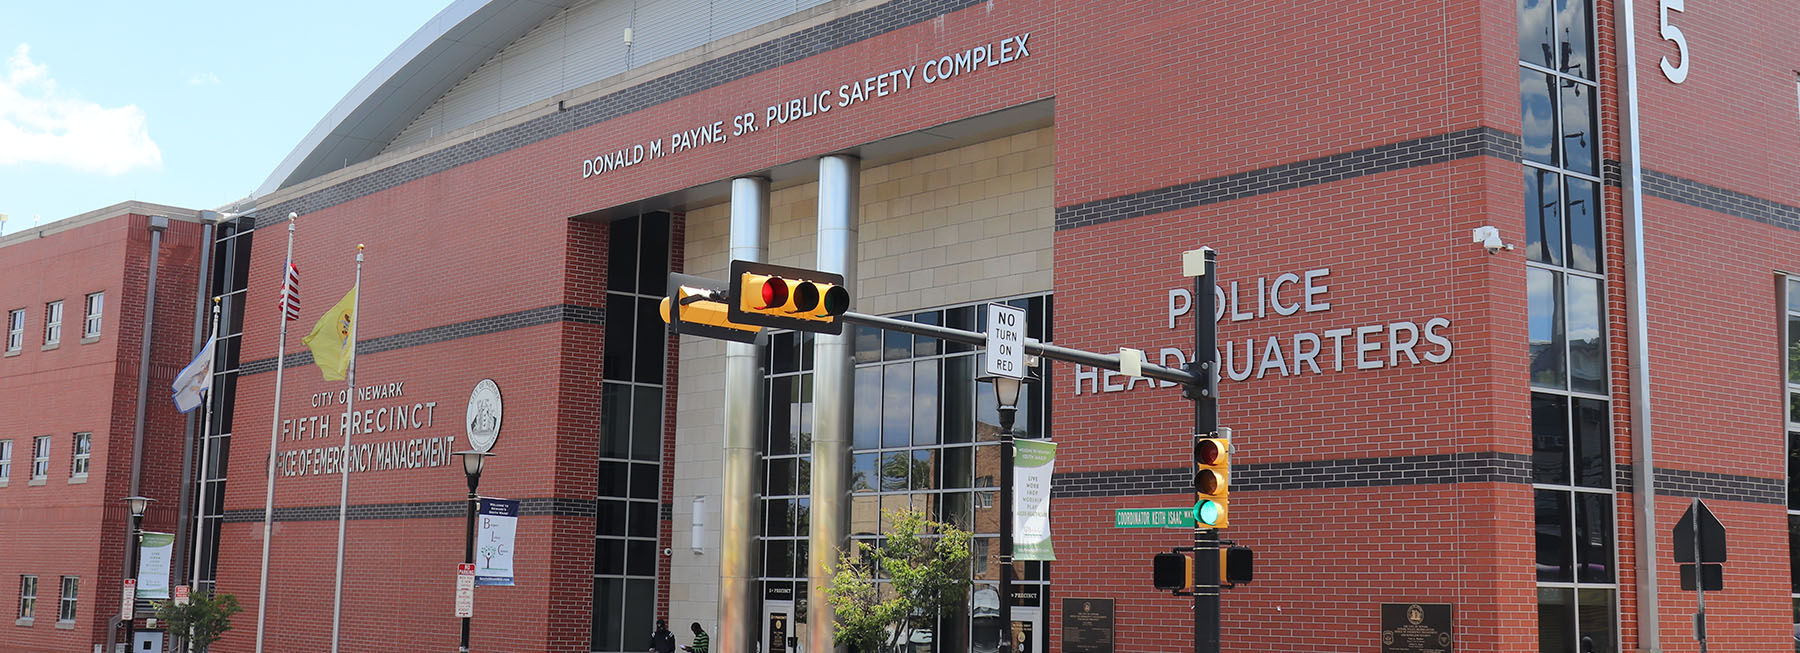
<point>1153,518</point>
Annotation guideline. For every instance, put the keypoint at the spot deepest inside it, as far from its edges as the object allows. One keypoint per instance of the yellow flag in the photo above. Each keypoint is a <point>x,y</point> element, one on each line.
<point>330,338</point>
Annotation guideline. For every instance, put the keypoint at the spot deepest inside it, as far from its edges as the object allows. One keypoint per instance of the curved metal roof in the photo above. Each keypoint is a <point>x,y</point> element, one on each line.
<point>443,52</point>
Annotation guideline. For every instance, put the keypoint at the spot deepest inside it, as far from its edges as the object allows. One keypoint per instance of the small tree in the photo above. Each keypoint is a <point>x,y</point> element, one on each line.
<point>925,564</point>
<point>203,620</point>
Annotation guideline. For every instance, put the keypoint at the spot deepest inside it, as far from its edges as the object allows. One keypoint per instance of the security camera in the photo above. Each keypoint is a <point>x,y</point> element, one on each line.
<point>1489,237</point>
<point>668,551</point>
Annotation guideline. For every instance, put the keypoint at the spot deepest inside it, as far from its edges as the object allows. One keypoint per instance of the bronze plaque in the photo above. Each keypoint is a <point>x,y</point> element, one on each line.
<point>1417,628</point>
<point>1087,625</point>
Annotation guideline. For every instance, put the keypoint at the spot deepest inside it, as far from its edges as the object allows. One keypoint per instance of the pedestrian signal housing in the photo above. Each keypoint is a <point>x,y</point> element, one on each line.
<point>1212,481</point>
<point>1172,571</point>
<point>696,306</point>
<point>782,297</point>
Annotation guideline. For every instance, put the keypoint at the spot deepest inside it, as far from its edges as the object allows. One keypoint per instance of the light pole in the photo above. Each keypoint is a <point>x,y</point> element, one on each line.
<point>138,505</point>
<point>472,461</point>
<point>1006,395</point>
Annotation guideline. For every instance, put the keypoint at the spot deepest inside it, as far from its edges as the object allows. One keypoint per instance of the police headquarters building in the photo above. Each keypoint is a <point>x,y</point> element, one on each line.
<point>1488,441</point>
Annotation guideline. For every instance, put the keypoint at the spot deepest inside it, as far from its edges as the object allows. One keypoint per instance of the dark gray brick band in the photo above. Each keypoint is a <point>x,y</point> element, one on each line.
<point>476,327</point>
<point>1476,467</point>
<point>1424,151</point>
<point>1714,198</point>
<point>534,507</point>
<point>862,25</point>
<point>1719,487</point>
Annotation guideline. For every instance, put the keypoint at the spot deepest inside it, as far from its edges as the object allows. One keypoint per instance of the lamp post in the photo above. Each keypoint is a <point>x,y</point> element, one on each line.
<point>1006,395</point>
<point>138,506</point>
<point>472,461</point>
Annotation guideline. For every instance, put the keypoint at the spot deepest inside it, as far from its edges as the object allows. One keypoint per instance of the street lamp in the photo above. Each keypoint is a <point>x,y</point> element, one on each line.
<point>138,506</point>
<point>1006,395</point>
<point>472,461</point>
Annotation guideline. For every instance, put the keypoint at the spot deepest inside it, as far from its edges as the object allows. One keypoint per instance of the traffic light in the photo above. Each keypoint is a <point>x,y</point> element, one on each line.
<point>1212,479</point>
<point>696,306</point>
<point>782,297</point>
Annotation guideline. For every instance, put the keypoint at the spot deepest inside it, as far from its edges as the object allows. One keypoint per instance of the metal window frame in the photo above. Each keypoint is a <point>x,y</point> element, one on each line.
<point>92,308</point>
<point>28,589</point>
<point>67,597</point>
<point>79,455</point>
<point>53,313</point>
<point>40,461</point>
<point>15,329</point>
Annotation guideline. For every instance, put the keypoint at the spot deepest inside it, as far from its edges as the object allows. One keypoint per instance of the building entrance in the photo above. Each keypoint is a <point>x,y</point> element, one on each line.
<point>779,628</point>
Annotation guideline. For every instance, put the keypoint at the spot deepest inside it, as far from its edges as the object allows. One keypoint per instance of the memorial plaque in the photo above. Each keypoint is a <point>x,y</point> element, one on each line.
<point>1087,625</point>
<point>1417,628</point>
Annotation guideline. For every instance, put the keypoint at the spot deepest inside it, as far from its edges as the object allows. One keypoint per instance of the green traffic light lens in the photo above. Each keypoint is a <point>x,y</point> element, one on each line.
<point>1207,512</point>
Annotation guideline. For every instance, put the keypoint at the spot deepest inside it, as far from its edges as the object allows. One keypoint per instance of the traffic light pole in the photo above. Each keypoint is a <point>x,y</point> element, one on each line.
<point>1206,424</point>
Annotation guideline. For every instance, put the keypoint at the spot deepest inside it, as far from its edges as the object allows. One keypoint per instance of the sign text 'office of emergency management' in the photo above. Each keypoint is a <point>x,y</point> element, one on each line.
<point>875,86</point>
<point>389,431</point>
<point>1340,348</point>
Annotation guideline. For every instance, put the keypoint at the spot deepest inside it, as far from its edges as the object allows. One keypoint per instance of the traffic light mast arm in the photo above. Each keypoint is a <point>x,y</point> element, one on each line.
<point>1032,347</point>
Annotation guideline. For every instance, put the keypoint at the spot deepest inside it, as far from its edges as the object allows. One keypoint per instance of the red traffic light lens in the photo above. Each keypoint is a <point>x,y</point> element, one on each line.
<point>1208,452</point>
<point>774,292</point>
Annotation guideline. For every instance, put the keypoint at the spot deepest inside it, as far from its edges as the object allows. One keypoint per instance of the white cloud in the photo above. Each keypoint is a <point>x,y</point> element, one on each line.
<point>203,79</point>
<point>39,124</point>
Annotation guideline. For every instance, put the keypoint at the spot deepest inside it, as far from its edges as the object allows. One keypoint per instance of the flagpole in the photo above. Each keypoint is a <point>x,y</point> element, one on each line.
<point>337,596</point>
<point>262,593</point>
<point>205,458</point>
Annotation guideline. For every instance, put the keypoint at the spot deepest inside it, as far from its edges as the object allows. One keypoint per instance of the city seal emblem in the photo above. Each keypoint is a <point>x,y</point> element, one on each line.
<point>483,419</point>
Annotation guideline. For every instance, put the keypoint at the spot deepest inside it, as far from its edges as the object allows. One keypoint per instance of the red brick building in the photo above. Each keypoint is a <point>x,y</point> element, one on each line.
<point>76,405</point>
<point>1474,428</point>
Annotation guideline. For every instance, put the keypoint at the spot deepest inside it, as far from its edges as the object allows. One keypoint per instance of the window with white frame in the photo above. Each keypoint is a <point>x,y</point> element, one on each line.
<point>5,459</point>
<point>65,609</point>
<point>90,323</point>
<point>15,329</point>
<point>40,457</point>
<point>84,445</point>
<point>1790,347</point>
<point>27,596</point>
<point>53,322</point>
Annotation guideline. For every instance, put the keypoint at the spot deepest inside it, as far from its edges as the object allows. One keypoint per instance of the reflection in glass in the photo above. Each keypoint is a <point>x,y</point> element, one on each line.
<point>1549,439</point>
<point>1543,216</point>
<point>1793,467</point>
<point>1573,42</point>
<point>959,399</point>
<point>956,467</point>
<point>922,345</point>
<point>1587,350</point>
<point>1593,537</point>
<point>1553,551</point>
<point>867,417</point>
<point>1544,295</point>
<point>896,405</point>
<point>1538,116</point>
<point>922,471</point>
<point>1595,615</point>
<point>864,477</point>
<point>1535,33</point>
<point>1584,224</point>
<point>1794,553</point>
<point>1793,347</point>
<point>780,479</point>
<point>1593,444</point>
<point>925,403</point>
<point>894,468</point>
<point>868,344</point>
<point>865,514</point>
<point>1580,144</point>
<point>1556,619</point>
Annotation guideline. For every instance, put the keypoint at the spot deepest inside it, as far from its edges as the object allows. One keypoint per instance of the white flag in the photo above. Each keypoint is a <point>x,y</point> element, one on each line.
<point>194,379</point>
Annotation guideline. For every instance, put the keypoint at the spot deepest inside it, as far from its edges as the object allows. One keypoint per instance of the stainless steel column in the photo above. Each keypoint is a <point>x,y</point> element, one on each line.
<point>833,396</point>
<point>737,628</point>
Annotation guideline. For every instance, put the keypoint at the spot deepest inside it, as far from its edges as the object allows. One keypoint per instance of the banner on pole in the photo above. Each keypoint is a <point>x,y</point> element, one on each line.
<point>497,522</point>
<point>154,553</point>
<point>1033,462</point>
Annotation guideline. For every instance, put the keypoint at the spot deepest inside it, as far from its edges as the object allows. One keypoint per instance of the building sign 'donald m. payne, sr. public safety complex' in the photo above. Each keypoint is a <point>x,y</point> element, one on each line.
<point>391,431</point>
<point>1340,348</point>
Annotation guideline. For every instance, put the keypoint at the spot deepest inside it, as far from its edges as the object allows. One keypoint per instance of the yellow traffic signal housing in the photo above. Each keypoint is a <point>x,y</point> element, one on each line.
<point>694,308</point>
<point>783,297</point>
<point>1212,482</point>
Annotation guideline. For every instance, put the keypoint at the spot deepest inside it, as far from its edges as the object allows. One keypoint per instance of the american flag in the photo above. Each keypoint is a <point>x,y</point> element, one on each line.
<point>290,293</point>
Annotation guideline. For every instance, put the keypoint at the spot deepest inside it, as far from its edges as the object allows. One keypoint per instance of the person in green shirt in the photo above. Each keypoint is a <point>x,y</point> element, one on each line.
<point>702,643</point>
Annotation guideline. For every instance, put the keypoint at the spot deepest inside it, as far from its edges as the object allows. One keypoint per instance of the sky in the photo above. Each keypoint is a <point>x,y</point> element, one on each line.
<point>187,103</point>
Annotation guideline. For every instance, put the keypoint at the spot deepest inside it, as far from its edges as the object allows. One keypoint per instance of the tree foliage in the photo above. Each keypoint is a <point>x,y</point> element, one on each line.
<point>883,592</point>
<point>203,620</point>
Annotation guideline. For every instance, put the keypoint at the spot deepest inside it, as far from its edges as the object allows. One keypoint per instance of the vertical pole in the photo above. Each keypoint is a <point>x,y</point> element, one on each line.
<point>1007,415</point>
<point>337,593</point>
<point>157,225</point>
<point>1206,422</point>
<point>131,572</point>
<point>199,540</point>
<point>833,400</point>
<point>469,548</point>
<point>738,557</point>
<point>1699,579</point>
<point>262,592</point>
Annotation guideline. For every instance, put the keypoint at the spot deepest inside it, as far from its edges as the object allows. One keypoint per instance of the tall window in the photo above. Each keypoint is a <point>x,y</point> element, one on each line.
<point>5,460</point>
<point>628,509</point>
<point>925,436</point>
<point>15,329</point>
<point>40,457</point>
<point>84,444</point>
<point>27,596</point>
<point>65,609</point>
<point>230,274</point>
<point>1572,458</point>
<point>1791,345</point>
<point>90,322</point>
<point>53,322</point>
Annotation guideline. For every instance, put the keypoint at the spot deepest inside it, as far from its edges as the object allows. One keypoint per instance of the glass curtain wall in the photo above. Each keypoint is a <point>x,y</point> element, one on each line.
<point>230,279</point>
<point>628,510</point>
<point>1572,458</point>
<point>925,436</point>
